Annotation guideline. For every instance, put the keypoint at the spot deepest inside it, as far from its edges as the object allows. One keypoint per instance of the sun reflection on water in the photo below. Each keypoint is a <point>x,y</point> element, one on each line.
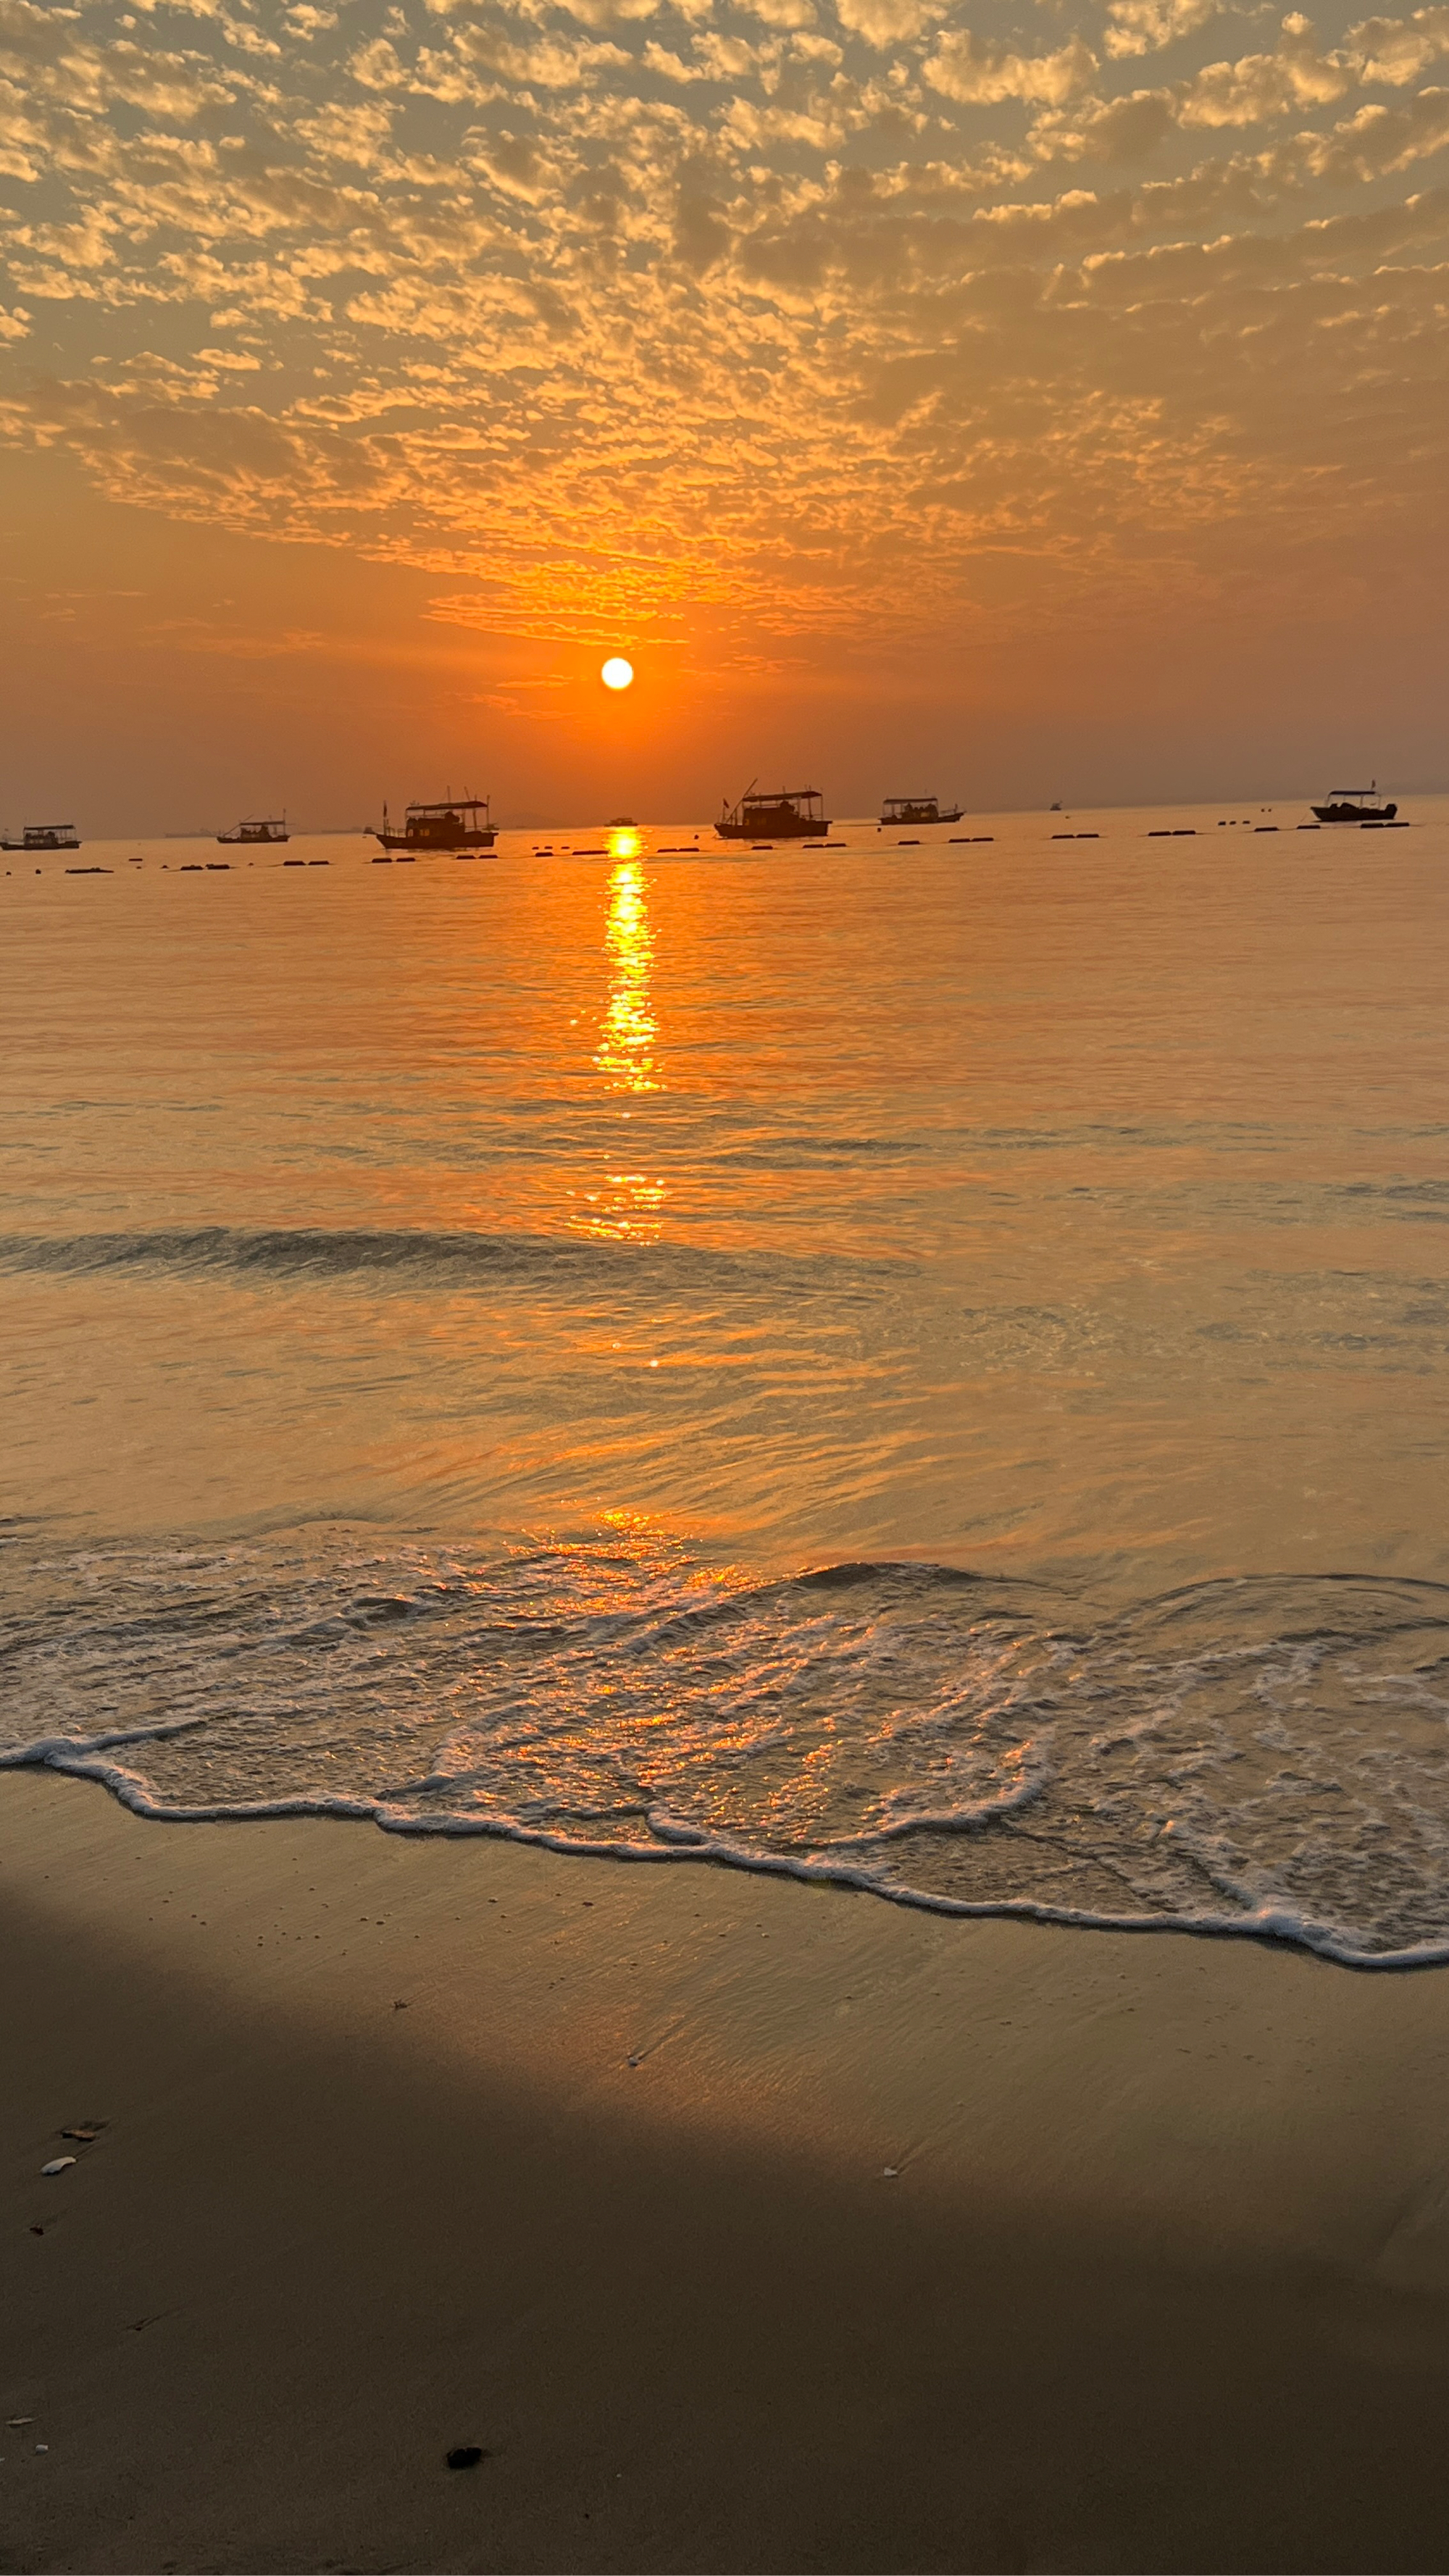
<point>625,1052</point>
<point>626,1204</point>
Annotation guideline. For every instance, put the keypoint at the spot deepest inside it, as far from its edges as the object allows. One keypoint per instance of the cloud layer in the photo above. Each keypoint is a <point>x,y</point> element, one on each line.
<point>809,318</point>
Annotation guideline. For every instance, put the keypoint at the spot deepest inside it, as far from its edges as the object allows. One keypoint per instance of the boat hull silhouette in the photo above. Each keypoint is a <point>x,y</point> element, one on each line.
<point>450,824</point>
<point>783,814</point>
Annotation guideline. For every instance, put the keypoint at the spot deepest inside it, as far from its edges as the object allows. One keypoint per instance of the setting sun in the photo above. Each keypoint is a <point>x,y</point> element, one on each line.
<point>617,673</point>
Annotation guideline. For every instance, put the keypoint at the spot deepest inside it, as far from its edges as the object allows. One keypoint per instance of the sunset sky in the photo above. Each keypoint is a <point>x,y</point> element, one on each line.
<point>1026,401</point>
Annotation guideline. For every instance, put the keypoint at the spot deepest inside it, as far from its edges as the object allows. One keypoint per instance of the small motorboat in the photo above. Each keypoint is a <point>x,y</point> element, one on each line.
<point>256,831</point>
<point>917,809</point>
<point>1356,805</point>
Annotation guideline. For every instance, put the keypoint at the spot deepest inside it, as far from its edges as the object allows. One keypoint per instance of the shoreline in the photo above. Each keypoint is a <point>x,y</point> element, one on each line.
<point>742,2222</point>
<point>1271,1926</point>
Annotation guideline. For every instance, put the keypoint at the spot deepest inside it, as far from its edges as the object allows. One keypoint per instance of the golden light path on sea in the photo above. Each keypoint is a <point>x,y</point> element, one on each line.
<point>628,1203</point>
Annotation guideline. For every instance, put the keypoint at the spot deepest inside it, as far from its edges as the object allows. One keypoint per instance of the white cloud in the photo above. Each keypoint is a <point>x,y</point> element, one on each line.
<point>1146,26</point>
<point>1395,51</point>
<point>353,134</point>
<point>1374,143</point>
<point>377,66</point>
<point>670,66</point>
<point>1259,87</point>
<point>726,58</point>
<point>890,23</point>
<point>609,13</point>
<point>781,13</point>
<point>967,68</point>
<point>548,62</point>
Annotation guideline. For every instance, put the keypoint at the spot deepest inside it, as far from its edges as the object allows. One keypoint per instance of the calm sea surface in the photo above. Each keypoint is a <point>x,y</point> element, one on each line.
<point>923,1361</point>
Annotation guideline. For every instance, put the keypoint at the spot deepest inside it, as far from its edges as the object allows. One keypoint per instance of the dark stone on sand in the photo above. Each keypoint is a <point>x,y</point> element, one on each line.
<point>466,2456</point>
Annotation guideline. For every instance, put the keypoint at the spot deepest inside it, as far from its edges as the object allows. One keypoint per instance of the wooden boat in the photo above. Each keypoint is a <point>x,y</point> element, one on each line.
<point>781,814</point>
<point>450,823</point>
<point>257,831</point>
<point>45,836</point>
<point>917,809</point>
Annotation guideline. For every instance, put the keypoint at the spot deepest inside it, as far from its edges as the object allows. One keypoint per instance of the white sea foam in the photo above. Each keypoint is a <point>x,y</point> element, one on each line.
<point>1264,1757</point>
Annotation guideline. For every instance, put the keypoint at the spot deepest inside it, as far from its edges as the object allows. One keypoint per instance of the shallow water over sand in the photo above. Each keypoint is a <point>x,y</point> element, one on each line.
<point>563,1254</point>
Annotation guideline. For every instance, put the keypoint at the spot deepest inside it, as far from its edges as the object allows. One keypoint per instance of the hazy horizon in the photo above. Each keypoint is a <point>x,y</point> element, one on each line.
<point>305,827</point>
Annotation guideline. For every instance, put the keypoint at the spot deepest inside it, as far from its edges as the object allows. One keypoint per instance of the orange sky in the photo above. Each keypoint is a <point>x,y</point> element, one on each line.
<point>1028,403</point>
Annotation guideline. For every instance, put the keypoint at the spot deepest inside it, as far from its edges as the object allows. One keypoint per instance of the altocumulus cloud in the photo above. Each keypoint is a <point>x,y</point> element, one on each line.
<point>804,311</point>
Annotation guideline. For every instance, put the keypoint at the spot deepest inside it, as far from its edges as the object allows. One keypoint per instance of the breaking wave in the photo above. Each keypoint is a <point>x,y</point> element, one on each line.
<point>1258,1756</point>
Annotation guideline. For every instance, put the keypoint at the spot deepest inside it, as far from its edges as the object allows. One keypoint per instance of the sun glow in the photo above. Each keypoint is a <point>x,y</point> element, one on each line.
<point>617,673</point>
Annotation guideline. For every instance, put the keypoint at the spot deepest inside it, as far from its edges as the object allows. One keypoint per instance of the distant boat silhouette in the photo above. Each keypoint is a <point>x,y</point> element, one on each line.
<point>257,831</point>
<point>450,823</point>
<point>45,836</point>
<point>783,814</point>
<point>917,809</point>
<point>1355,805</point>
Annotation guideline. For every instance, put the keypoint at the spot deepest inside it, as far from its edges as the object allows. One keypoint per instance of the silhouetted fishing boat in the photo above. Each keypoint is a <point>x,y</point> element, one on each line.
<point>1356,805</point>
<point>450,823</point>
<point>45,836</point>
<point>257,831</point>
<point>784,814</point>
<point>917,809</point>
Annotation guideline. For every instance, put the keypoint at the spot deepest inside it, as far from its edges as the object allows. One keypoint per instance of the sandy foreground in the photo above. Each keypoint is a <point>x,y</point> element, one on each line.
<point>413,2144</point>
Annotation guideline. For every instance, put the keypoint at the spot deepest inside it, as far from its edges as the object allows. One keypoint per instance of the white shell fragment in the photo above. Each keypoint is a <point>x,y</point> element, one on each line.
<point>57,2164</point>
<point>891,2173</point>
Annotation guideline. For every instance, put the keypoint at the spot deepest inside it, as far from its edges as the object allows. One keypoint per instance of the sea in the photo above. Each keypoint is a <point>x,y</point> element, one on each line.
<point>919,1361</point>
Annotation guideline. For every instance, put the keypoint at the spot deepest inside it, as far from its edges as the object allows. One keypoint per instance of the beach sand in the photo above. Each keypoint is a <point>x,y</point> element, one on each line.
<point>413,2144</point>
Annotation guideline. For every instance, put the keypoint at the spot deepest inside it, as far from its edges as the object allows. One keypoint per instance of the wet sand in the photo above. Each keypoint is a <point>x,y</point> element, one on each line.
<point>417,2144</point>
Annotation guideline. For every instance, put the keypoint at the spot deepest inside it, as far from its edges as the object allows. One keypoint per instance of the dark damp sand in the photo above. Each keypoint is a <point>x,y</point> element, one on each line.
<point>1163,2279</point>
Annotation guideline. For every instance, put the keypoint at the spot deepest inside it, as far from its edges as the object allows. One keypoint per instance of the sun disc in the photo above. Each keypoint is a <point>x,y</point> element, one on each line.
<point>617,673</point>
